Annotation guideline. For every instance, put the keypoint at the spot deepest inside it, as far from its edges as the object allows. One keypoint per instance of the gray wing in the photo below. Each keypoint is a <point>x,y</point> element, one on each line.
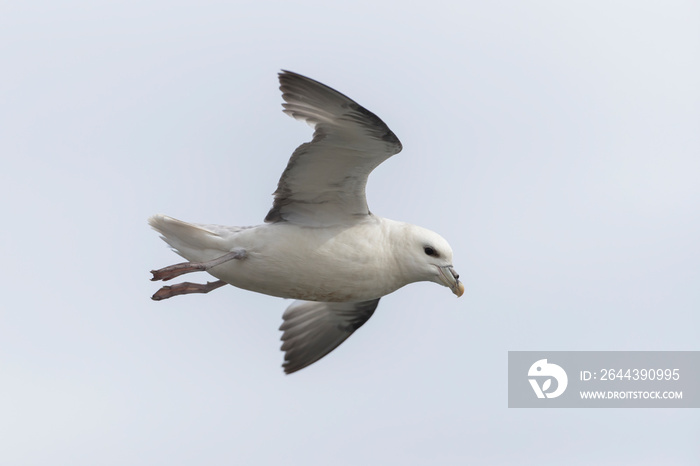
<point>313,329</point>
<point>324,182</point>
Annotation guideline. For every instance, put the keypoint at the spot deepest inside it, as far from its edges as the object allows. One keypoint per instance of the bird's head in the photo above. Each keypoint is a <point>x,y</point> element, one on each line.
<point>429,258</point>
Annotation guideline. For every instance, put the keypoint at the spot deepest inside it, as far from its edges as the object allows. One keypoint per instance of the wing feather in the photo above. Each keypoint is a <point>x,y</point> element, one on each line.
<point>324,181</point>
<point>313,329</point>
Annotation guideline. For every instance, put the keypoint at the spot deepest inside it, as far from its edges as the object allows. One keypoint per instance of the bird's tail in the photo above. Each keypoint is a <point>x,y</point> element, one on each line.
<point>193,242</point>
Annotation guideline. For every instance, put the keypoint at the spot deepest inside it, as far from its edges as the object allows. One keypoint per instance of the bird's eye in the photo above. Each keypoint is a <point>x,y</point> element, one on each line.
<point>430,251</point>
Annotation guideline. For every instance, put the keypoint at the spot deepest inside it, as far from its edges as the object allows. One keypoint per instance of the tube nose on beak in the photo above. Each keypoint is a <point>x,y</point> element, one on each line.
<point>450,278</point>
<point>458,289</point>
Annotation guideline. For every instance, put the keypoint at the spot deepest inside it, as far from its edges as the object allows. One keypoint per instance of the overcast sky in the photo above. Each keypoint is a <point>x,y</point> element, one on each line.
<point>555,145</point>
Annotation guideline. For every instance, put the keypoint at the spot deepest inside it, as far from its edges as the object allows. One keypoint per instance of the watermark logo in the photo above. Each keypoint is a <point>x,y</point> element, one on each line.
<point>603,379</point>
<point>547,371</point>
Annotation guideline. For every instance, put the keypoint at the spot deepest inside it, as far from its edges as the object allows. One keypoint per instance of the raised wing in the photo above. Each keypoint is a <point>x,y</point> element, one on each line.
<point>313,329</point>
<point>324,182</point>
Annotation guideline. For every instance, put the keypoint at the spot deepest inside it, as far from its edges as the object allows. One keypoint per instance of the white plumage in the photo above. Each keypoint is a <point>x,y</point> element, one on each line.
<point>320,244</point>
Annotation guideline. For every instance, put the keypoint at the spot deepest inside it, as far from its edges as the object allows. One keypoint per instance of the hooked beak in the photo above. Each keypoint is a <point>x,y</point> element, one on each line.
<point>450,278</point>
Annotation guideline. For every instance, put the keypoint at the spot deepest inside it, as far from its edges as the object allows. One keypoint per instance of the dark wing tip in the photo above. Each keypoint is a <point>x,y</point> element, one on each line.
<point>295,86</point>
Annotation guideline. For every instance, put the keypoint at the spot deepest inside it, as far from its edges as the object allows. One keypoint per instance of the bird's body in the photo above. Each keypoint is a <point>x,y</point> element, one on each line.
<point>320,244</point>
<point>359,256</point>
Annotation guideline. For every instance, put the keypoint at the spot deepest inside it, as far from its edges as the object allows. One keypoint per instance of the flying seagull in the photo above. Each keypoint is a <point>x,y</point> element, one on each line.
<point>320,244</point>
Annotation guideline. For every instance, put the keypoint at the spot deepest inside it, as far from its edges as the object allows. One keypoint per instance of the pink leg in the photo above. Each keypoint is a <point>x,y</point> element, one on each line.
<point>172,271</point>
<point>186,288</point>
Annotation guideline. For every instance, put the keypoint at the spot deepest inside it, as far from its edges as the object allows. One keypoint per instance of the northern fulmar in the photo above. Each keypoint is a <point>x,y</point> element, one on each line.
<point>320,244</point>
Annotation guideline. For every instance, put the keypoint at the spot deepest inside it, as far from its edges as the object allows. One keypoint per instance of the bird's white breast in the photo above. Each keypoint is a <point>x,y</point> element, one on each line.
<point>344,263</point>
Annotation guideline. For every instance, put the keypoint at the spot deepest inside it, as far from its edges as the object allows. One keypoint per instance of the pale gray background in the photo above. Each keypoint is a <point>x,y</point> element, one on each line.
<point>554,144</point>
